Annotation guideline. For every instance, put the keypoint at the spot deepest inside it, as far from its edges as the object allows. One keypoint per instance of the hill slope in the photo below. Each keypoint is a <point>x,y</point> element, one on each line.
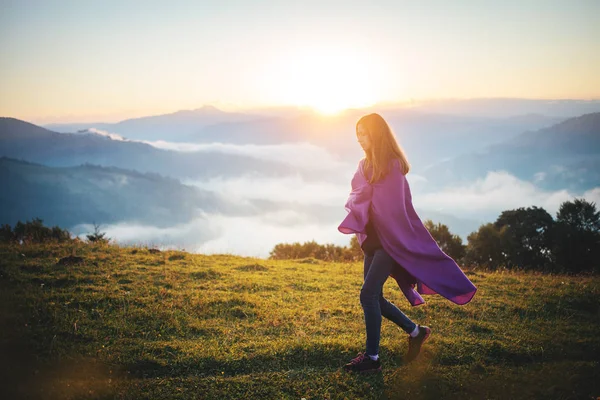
<point>86,194</point>
<point>563,156</point>
<point>127,323</point>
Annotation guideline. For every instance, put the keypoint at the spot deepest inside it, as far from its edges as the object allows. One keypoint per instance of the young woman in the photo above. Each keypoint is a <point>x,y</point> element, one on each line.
<point>395,243</point>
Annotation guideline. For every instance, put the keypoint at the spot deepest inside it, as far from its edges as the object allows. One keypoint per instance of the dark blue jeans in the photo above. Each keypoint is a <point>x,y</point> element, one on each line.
<point>378,266</point>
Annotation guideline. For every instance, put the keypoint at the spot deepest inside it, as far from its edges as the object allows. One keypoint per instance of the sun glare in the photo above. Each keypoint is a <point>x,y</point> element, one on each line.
<point>328,80</point>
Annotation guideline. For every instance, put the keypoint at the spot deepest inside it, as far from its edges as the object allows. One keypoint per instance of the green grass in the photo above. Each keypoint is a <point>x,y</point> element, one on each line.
<point>127,323</point>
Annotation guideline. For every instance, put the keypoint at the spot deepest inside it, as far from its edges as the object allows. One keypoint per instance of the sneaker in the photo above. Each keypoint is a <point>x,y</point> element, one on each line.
<point>363,363</point>
<point>415,343</point>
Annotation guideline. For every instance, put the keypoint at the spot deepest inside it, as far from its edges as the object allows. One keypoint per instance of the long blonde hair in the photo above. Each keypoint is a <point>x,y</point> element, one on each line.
<point>384,148</point>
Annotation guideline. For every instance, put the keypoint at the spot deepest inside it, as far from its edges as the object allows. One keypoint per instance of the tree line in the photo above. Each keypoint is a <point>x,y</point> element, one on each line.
<point>524,238</point>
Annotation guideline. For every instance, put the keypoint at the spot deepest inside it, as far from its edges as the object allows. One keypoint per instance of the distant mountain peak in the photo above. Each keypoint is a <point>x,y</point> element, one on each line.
<point>209,108</point>
<point>15,121</point>
<point>203,111</point>
<point>16,128</point>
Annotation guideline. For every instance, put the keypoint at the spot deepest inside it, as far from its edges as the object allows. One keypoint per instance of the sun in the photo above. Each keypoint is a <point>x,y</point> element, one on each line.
<point>328,79</point>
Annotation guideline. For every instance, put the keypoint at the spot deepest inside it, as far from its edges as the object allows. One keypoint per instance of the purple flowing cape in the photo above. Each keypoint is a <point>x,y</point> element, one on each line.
<point>421,262</point>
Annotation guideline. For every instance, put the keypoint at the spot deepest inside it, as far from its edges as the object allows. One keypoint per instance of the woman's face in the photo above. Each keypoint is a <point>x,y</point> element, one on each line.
<point>363,138</point>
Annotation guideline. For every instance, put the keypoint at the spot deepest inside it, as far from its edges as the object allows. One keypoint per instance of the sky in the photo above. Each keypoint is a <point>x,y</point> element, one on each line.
<point>68,61</point>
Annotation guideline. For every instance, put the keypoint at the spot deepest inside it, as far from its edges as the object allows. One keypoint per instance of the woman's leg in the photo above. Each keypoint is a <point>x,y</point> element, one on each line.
<point>377,268</point>
<point>393,313</point>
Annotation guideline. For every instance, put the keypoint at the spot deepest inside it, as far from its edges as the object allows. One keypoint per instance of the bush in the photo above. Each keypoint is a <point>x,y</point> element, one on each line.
<point>326,252</point>
<point>33,231</point>
<point>97,236</point>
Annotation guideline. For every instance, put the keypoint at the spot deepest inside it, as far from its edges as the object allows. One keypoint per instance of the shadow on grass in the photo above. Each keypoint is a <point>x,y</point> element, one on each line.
<point>317,357</point>
<point>26,372</point>
<point>511,354</point>
<point>584,305</point>
<point>419,381</point>
<point>209,274</point>
<point>252,268</point>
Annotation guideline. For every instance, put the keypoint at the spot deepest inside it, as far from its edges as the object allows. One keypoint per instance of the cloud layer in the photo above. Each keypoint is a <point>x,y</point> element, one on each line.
<point>498,191</point>
<point>304,155</point>
<point>293,212</point>
<point>294,208</point>
<point>288,189</point>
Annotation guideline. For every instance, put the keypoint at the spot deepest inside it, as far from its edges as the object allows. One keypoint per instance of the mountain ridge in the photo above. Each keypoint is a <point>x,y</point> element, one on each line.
<point>69,149</point>
<point>566,155</point>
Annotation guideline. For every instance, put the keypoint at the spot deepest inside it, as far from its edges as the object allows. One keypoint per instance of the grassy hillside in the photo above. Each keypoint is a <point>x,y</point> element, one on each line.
<point>129,323</point>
